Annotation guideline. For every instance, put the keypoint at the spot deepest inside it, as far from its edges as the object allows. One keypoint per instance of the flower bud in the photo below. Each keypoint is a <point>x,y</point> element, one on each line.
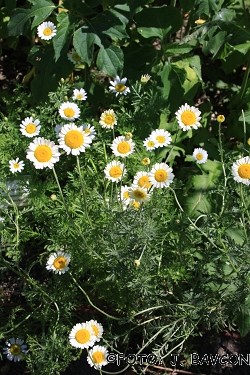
<point>145,161</point>
<point>220,118</point>
<point>53,197</point>
<point>137,263</point>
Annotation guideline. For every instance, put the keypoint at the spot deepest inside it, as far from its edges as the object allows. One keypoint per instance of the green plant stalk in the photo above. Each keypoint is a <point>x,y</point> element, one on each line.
<point>90,302</point>
<point>244,82</point>
<point>204,234</point>
<point>176,136</point>
<point>83,192</point>
<point>224,171</point>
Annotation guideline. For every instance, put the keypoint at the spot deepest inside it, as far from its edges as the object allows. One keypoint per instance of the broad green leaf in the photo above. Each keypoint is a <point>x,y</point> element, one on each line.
<point>208,180</point>
<point>110,60</point>
<point>233,61</point>
<point>50,71</point>
<point>236,234</point>
<point>243,317</point>
<point>62,38</point>
<point>177,48</point>
<point>165,81</point>
<point>225,14</point>
<point>158,21</point>
<point>137,56</point>
<point>20,17</point>
<point>84,41</point>
<point>107,23</point>
<point>10,5</point>
<point>196,204</point>
<point>215,42</point>
<point>187,5</point>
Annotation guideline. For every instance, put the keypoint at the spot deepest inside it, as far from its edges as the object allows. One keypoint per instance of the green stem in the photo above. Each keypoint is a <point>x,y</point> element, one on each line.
<point>224,171</point>
<point>244,82</point>
<point>83,192</point>
<point>90,302</point>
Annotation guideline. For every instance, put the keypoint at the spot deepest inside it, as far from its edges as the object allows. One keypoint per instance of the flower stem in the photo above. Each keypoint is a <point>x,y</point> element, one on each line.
<point>83,192</point>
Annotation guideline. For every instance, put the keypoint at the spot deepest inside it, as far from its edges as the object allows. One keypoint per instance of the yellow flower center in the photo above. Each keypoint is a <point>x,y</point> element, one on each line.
<point>150,143</point>
<point>60,263</point>
<point>115,172</point>
<point>47,31</point>
<point>87,131</point>
<point>144,182</point>
<point>79,96</point>
<point>145,161</point>
<point>76,57</point>
<point>98,357</point>
<point>30,128</point>
<point>160,138</point>
<point>109,119</point>
<point>15,349</point>
<point>220,118</point>
<point>161,175</point>
<point>188,118</point>
<point>69,112</point>
<point>82,336</point>
<point>123,147</point>
<point>43,153</point>
<point>244,171</point>
<point>136,205</point>
<point>74,139</point>
<point>95,329</point>
<point>199,156</point>
<point>139,194</point>
<point>126,195</point>
<point>15,165</point>
<point>120,87</point>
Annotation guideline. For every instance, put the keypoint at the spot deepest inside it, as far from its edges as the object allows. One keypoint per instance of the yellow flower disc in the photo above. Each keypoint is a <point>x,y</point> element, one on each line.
<point>76,57</point>
<point>150,143</point>
<point>145,161</point>
<point>126,195</point>
<point>15,349</point>
<point>120,87</point>
<point>144,182</point>
<point>87,131</point>
<point>139,194</point>
<point>95,329</point>
<point>160,138</point>
<point>30,128</point>
<point>109,119</point>
<point>161,175</point>
<point>136,205</point>
<point>69,112</point>
<point>188,118</point>
<point>79,96</point>
<point>47,31</point>
<point>16,165</point>
<point>60,263</point>
<point>220,118</point>
<point>115,172</point>
<point>244,171</point>
<point>74,139</point>
<point>43,153</point>
<point>199,156</point>
<point>98,357</point>
<point>123,147</point>
<point>82,336</point>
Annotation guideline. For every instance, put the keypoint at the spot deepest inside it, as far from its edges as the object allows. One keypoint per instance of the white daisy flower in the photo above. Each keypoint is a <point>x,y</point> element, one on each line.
<point>57,129</point>
<point>141,179</point>
<point>16,165</point>
<point>89,130</point>
<point>69,111</point>
<point>43,153</point>
<point>82,336</point>
<point>122,147</point>
<point>58,262</point>
<point>46,31</point>
<point>14,350</point>
<point>114,171</point>
<point>145,78</point>
<point>138,194</point>
<point>108,119</point>
<point>30,128</point>
<point>161,175</point>
<point>97,357</point>
<point>241,170</point>
<point>123,195</point>
<point>118,86</point>
<point>73,139</point>
<point>200,155</point>
<point>150,144</point>
<point>161,137</point>
<point>74,57</point>
<point>188,117</point>
<point>98,329</point>
<point>79,94</point>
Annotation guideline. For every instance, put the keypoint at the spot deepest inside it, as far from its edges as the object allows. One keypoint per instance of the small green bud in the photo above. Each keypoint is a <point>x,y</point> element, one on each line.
<point>53,197</point>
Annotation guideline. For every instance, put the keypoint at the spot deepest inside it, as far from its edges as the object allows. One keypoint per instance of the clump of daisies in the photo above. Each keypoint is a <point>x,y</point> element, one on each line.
<point>84,336</point>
